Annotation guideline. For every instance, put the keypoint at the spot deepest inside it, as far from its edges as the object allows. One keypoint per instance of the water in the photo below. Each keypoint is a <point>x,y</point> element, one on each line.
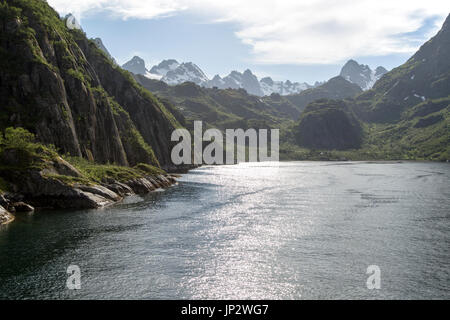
<point>298,230</point>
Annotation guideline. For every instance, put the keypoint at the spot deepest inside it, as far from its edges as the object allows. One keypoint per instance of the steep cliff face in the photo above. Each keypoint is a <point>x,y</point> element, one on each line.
<point>57,84</point>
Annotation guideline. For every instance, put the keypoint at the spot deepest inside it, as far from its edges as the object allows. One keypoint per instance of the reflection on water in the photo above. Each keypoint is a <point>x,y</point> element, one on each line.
<point>275,231</point>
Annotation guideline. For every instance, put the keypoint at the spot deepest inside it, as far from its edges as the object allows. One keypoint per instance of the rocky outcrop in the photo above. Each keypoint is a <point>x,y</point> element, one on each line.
<point>52,182</point>
<point>5,216</point>
<point>39,190</point>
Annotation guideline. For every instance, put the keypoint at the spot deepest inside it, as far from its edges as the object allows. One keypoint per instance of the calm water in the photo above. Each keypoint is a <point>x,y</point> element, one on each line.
<point>299,230</point>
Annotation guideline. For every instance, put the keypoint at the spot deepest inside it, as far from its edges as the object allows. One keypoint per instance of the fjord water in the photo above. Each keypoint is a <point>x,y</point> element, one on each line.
<point>256,230</point>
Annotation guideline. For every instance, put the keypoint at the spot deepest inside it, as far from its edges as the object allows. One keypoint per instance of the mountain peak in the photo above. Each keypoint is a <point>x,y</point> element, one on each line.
<point>164,67</point>
<point>361,74</point>
<point>351,62</point>
<point>267,80</point>
<point>136,65</point>
<point>99,43</point>
<point>138,60</point>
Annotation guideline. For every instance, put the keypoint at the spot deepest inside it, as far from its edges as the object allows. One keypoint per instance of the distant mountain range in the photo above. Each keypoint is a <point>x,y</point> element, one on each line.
<point>172,72</point>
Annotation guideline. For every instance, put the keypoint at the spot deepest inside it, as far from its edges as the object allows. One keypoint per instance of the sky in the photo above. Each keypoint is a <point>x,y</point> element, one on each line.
<point>299,40</point>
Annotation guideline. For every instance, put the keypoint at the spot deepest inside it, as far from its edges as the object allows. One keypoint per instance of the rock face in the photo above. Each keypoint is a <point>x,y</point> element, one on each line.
<point>328,124</point>
<point>102,47</point>
<point>58,85</point>
<point>136,65</point>
<point>361,74</point>
<point>52,187</point>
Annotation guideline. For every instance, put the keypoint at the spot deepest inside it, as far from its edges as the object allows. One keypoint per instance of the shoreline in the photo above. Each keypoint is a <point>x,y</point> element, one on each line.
<point>103,195</point>
<point>56,195</point>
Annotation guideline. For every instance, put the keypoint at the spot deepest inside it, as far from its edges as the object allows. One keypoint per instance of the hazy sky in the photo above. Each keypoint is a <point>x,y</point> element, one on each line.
<point>295,40</point>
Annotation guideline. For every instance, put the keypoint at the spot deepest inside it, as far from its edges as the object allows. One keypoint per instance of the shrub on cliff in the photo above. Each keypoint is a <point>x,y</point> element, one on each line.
<point>19,149</point>
<point>19,138</point>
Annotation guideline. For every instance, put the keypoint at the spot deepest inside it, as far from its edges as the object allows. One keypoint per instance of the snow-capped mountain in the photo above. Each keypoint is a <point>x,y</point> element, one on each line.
<point>264,87</point>
<point>237,80</point>
<point>169,71</point>
<point>137,66</point>
<point>268,86</point>
<point>172,72</point>
<point>187,71</point>
<point>361,74</point>
<point>164,67</point>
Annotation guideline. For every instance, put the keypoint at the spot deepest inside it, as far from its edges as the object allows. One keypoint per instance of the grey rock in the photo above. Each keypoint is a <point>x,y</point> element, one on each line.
<point>5,216</point>
<point>136,65</point>
<point>22,207</point>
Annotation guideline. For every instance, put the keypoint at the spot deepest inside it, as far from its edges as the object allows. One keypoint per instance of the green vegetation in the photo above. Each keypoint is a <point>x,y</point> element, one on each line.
<point>328,124</point>
<point>19,150</point>
<point>98,172</point>
<point>4,186</point>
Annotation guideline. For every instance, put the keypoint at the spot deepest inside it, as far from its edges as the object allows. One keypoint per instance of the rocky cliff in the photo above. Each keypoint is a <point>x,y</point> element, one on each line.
<point>59,85</point>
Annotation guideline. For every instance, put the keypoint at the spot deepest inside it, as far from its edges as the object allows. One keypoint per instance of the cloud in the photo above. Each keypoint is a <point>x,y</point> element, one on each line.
<point>124,9</point>
<point>298,31</point>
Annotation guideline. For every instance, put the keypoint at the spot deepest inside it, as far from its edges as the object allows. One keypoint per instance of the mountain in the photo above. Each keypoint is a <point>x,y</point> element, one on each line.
<point>169,71</point>
<point>249,82</point>
<point>236,108</point>
<point>164,66</point>
<point>187,71</point>
<point>406,115</point>
<point>102,47</point>
<point>328,124</point>
<point>235,80</point>
<point>223,108</point>
<point>136,65</point>
<point>335,88</point>
<point>268,86</point>
<point>61,87</point>
<point>361,74</point>
<point>172,72</point>
<point>424,77</point>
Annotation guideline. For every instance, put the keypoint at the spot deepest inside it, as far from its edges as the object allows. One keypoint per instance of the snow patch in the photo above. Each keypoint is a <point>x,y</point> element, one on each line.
<point>153,76</point>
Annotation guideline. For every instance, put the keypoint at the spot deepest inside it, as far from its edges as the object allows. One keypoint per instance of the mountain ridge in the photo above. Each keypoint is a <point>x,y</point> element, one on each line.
<point>172,72</point>
<point>60,86</point>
